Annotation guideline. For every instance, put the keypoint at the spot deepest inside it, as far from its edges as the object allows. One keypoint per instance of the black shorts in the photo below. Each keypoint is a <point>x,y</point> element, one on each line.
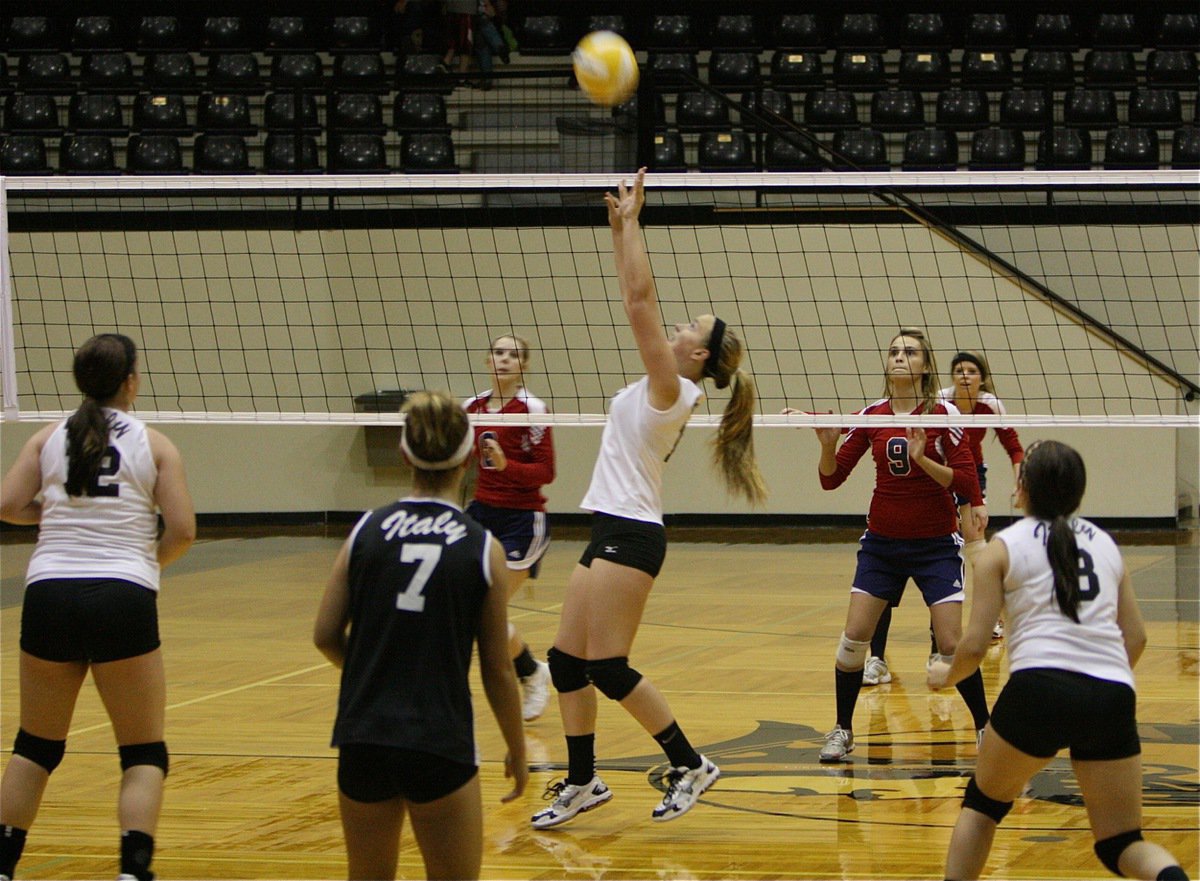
<point>89,619</point>
<point>368,772</point>
<point>1042,711</point>
<point>637,544</point>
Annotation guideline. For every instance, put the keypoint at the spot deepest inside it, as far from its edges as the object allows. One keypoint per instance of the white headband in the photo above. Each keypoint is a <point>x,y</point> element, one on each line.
<point>454,461</point>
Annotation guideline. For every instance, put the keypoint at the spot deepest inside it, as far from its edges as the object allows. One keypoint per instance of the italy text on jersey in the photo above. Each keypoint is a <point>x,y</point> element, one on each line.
<point>403,523</point>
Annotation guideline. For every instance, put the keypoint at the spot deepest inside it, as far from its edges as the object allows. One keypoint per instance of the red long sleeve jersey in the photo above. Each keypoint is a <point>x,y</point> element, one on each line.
<point>987,405</point>
<point>907,502</point>
<point>529,450</point>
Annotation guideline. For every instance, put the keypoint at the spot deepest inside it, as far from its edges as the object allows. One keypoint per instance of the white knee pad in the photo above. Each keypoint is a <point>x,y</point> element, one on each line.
<point>851,653</point>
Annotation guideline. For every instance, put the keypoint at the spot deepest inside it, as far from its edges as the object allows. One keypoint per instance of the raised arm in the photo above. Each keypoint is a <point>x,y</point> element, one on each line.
<point>638,293</point>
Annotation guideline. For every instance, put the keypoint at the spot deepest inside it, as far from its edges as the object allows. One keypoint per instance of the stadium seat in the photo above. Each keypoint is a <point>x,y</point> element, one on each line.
<point>734,70</point>
<point>988,30</point>
<point>799,31</point>
<point>671,33</point>
<point>987,68</point>
<point>107,71</point>
<point>1109,67</point>
<point>96,115</point>
<point>544,35</point>
<point>930,150</point>
<point>924,69</point>
<point>924,30</point>
<point>861,30</point>
<point>1048,67</point>
<point>700,111</point>
<point>1126,147</point>
<point>291,111</point>
<point>427,153</point>
<point>31,114</point>
<point>359,70</point>
<point>669,68</point>
<point>858,70</point>
<point>154,154</point>
<point>234,71</point>
<point>23,154</point>
<point>357,154</point>
<point>725,151</point>
<point>360,112</point>
<point>221,154</point>
<point>1159,108</point>
<point>1171,67</point>
<point>45,72</point>
<point>96,33</point>
<point>1053,30</point>
<point>1064,149</point>
<point>354,33</point>
<point>615,23</point>
<point>87,154</point>
<point>161,114</point>
<point>997,149</point>
<point>425,73</point>
<point>897,110</point>
<point>32,33</point>
<point>1185,148</point>
<point>1025,109</point>
<point>280,153</point>
<point>288,33</point>
<point>737,32</point>
<point>170,71</point>
<point>1177,30</point>
<point>227,33</point>
<point>962,109</point>
<point>864,148</point>
<point>297,69</point>
<point>794,69</point>
<point>784,154</point>
<point>668,152</point>
<point>225,113</point>
<point>159,33</point>
<point>770,103</point>
<point>830,109</point>
<point>419,112</point>
<point>1116,30</point>
<point>1090,108</point>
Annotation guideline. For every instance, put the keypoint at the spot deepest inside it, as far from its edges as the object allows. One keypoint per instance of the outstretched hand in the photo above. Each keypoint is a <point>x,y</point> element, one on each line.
<point>628,202</point>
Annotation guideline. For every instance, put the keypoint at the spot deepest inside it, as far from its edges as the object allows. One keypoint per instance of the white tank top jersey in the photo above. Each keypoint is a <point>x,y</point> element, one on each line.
<point>111,531</point>
<point>637,442</point>
<point>1038,633</point>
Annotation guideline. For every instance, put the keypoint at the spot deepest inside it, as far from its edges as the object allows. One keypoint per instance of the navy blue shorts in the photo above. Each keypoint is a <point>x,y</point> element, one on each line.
<point>1042,711</point>
<point>368,773</point>
<point>981,473</point>
<point>88,619</point>
<point>886,564</point>
<point>525,535</point>
<point>637,544</point>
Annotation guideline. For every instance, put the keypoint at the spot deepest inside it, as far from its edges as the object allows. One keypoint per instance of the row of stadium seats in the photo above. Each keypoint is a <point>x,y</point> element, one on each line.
<point>731,150</point>
<point>558,33</point>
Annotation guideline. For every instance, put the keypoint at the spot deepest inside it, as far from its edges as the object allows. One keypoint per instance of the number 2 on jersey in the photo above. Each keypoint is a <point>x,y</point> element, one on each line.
<point>426,557</point>
<point>109,466</point>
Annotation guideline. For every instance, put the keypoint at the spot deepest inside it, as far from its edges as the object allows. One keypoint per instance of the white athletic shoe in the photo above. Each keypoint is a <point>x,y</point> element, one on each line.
<point>998,630</point>
<point>838,744</point>
<point>535,691</point>
<point>876,672</point>
<point>684,787</point>
<point>570,800</point>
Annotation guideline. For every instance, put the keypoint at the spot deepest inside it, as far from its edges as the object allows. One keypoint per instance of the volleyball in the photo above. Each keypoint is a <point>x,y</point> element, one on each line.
<point>605,68</point>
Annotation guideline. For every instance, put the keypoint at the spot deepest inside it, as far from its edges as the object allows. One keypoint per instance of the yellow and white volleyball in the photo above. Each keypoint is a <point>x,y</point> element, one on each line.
<point>605,68</point>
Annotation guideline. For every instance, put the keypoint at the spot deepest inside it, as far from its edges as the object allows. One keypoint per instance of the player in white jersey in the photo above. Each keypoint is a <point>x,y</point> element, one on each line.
<point>1074,634</point>
<point>95,485</point>
<point>608,589</point>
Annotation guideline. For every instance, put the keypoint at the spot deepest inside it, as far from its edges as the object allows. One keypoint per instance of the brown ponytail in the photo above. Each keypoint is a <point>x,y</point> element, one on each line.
<point>102,365</point>
<point>733,446</point>
<point>1054,478</point>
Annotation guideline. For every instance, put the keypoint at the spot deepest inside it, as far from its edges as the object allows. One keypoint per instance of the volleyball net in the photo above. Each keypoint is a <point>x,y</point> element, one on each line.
<point>302,299</point>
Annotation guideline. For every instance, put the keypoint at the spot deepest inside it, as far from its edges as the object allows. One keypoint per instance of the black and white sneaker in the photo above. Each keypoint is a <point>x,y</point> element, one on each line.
<point>569,800</point>
<point>684,788</point>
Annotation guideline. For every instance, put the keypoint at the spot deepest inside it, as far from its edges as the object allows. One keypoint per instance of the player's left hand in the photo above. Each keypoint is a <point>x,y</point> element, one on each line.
<point>937,672</point>
<point>916,442</point>
<point>495,454</point>
<point>519,773</point>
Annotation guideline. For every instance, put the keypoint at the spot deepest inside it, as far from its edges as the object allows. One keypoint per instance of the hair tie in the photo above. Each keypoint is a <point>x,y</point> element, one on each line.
<point>714,347</point>
<point>456,458</point>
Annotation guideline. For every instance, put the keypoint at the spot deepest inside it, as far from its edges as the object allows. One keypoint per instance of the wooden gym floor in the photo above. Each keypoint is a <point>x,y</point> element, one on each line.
<point>740,637</point>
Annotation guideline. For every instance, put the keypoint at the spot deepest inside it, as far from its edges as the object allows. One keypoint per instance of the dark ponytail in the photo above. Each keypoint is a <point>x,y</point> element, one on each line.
<point>102,365</point>
<point>1054,478</point>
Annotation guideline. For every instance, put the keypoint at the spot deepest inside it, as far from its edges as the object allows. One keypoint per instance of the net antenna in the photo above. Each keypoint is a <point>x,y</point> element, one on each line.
<point>284,299</point>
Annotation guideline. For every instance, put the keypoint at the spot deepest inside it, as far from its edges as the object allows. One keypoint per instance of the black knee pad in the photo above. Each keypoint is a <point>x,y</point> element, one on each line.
<point>1110,849</point>
<point>567,672</point>
<point>39,750</point>
<point>144,754</point>
<point>974,799</point>
<point>614,677</point>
